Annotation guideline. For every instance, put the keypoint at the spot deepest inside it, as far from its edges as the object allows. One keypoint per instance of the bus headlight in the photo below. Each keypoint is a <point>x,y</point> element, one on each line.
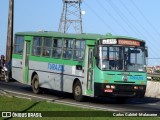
<point>113,86</point>
<point>108,86</point>
<point>136,87</point>
<point>141,87</point>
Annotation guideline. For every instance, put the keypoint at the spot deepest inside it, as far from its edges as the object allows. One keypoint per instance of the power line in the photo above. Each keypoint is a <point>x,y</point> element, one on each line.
<point>136,21</point>
<point>122,16</point>
<point>147,22</point>
<point>153,58</point>
<point>155,30</point>
<point>148,33</point>
<point>118,11</point>
<point>99,17</point>
<point>112,16</point>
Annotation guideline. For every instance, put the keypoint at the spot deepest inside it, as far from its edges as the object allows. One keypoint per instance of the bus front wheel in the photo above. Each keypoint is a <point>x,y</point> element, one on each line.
<point>77,92</point>
<point>35,84</point>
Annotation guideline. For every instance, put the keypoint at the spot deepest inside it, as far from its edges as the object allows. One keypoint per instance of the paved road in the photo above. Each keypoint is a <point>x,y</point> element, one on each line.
<point>21,90</point>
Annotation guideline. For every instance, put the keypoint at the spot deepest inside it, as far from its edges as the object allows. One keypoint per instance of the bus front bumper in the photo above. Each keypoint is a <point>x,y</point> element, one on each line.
<point>119,90</point>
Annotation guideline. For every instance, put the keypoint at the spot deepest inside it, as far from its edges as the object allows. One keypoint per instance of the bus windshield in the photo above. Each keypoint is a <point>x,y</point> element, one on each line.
<point>121,58</point>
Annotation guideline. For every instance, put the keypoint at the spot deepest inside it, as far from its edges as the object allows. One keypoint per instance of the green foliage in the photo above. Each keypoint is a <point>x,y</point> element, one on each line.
<point>158,71</point>
<point>156,78</point>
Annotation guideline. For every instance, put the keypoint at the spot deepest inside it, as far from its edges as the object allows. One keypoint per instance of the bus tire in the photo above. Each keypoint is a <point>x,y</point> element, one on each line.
<point>77,92</point>
<point>35,84</point>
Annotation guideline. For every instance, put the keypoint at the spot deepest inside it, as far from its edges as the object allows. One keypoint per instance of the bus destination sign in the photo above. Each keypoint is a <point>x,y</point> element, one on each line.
<point>128,42</point>
<point>109,41</point>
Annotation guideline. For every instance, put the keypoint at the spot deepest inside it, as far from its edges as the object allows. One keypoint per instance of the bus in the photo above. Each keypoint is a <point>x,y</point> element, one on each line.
<point>91,65</point>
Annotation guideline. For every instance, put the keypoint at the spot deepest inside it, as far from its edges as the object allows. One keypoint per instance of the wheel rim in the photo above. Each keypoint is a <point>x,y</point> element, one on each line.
<point>36,84</point>
<point>77,90</point>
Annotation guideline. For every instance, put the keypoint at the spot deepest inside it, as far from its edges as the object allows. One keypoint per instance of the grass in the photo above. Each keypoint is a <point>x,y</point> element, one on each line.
<point>156,79</point>
<point>24,105</point>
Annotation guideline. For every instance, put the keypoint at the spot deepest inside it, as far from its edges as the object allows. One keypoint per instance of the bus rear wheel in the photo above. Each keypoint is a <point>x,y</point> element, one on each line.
<point>77,92</point>
<point>35,84</point>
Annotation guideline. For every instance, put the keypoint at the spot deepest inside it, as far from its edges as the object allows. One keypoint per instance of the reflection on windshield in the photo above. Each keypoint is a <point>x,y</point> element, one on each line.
<point>121,58</point>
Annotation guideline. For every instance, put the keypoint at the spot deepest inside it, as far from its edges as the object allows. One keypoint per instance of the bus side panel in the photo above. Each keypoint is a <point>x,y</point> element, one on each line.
<point>47,79</point>
<point>53,76</point>
<point>17,73</point>
<point>71,74</point>
<point>68,83</point>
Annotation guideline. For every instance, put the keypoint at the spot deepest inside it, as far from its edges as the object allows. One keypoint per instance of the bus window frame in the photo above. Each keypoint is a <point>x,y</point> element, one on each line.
<point>63,48</point>
<point>41,47</point>
<point>53,47</point>
<point>74,50</point>
<point>15,45</point>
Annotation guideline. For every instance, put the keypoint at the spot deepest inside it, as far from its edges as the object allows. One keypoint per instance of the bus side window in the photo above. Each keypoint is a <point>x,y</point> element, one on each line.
<point>46,52</point>
<point>37,46</point>
<point>67,49</point>
<point>47,47</point>
<point>18,45</point>
<point>57,48</point>
<point>79,50</point>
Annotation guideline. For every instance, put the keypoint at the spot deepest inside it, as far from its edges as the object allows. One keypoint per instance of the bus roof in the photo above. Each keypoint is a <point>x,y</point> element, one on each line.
<point>60,35</point>
<point>76,36</point>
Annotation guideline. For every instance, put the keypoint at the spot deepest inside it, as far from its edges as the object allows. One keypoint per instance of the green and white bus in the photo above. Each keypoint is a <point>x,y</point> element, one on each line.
<point>83,64</point>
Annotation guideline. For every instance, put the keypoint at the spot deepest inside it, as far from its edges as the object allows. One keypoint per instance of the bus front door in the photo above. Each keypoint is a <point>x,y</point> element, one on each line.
<point>26,61</point>
<point>89,70</point>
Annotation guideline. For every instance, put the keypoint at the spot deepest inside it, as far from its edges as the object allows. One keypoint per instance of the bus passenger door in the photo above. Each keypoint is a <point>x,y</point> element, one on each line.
<point>89,65</point>
<point>26,61</point>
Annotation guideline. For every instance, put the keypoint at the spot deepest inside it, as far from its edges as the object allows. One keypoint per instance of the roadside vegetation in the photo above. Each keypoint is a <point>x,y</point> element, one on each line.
<point>156,79</point>
<point>25,105</point>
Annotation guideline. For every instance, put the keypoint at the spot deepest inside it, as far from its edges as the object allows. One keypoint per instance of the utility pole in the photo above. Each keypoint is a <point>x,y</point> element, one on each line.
<point>10,32</point>
<point>71,17</point>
